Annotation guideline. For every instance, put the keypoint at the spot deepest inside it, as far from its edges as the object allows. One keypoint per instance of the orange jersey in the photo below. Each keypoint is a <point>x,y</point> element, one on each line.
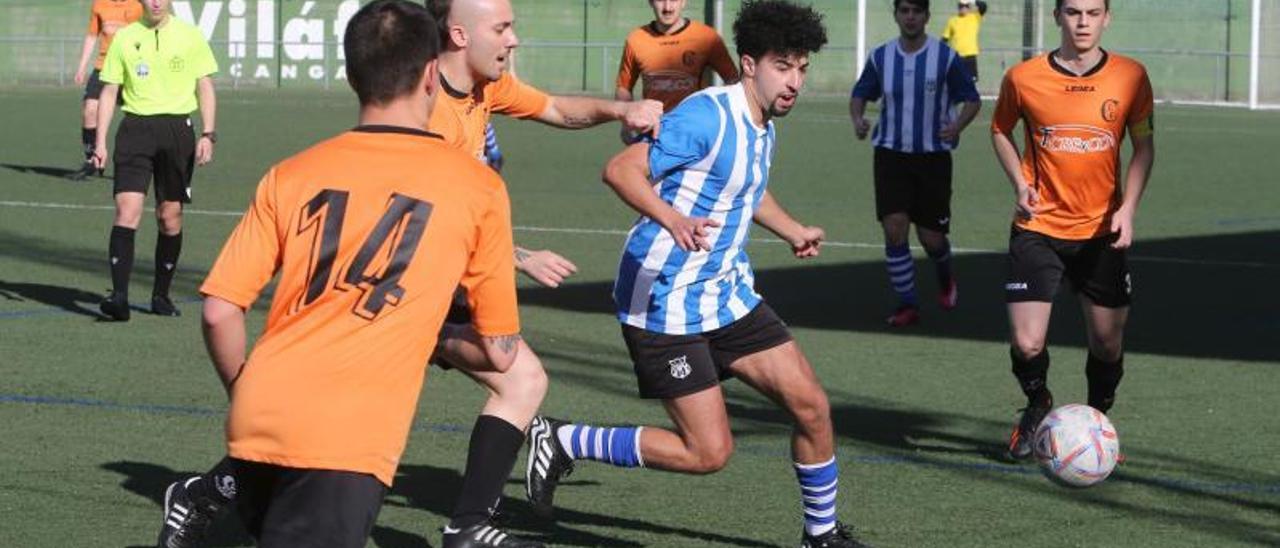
<point>370,233</point>
<point>461,117</point>
<point>672,66</point>
<point>1074,126</point>
<point>108,16</point>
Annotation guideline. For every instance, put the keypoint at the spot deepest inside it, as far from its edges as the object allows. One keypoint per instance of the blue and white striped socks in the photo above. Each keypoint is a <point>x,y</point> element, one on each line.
<point>619,446</point>
<point>818,486</point>
<point>902,273</point>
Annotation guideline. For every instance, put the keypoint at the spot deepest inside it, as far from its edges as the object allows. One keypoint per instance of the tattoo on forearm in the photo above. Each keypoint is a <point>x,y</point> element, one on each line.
<point>522,255</point>
<point>578,121</point>
<point>506,343</point>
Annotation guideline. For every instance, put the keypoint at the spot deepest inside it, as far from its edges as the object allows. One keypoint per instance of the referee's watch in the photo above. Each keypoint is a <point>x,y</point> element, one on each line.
<point>211,135</point>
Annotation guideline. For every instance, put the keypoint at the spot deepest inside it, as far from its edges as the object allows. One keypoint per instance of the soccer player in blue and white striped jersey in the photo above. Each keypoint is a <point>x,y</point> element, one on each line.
<point>684,295</point>
<point>918,80</point>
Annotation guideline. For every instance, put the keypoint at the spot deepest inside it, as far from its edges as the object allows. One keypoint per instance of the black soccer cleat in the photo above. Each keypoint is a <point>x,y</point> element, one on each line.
<point>186,520</point>
<point>86,170</point>
<point>162,306</point>
<point>115,307</point>
<point>485,535</point>
<point>1023,437</point>
<point>840,537</point>
<point>547,464</point>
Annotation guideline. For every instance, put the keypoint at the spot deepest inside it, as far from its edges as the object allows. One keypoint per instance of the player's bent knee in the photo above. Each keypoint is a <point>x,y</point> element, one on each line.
<point>1028,346</point>
<point>713,457</point>
<point>1107,349</point>
<point>813,412</point>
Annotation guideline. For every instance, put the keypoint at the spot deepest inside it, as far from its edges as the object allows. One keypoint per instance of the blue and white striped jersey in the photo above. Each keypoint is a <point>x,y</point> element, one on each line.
<point>709,160</point>
<point>920,91</point>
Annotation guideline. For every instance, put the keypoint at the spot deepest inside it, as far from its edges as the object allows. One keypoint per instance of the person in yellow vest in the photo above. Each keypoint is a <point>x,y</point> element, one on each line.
<point>961,33</point>
<point>161,64</point>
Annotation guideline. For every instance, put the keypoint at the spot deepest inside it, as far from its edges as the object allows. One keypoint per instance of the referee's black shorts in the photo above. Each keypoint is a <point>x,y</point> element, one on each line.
<point>161,146</point>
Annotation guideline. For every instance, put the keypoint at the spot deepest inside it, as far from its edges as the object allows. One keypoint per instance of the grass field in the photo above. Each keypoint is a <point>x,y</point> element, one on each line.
<point>96,418</point>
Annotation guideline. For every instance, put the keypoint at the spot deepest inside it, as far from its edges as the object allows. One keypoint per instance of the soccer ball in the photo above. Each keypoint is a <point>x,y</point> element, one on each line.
<point>1076,445</point>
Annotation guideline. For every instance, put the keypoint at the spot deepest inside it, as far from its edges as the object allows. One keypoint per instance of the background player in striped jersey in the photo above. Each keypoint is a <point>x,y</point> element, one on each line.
<point>105,18</point>
<point>919,80</point>
<point>684,295</point>
<point>1073,218</point>
<point>670,57</point>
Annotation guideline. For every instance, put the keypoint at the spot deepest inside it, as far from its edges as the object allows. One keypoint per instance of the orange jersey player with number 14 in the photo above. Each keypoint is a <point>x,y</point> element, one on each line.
<point>1074,212</point>
<point>369,233</point>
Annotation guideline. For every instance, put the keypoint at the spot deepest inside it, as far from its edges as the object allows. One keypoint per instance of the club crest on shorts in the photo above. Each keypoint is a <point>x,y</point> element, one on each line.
<point>680,367</point>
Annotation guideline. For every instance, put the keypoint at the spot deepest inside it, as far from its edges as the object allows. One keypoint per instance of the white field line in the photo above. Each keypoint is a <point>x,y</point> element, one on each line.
<point>616,232</point>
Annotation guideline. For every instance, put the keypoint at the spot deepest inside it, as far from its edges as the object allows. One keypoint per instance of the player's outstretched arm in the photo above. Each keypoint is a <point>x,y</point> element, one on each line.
<point>106,110</point>
<point>804,240</point>
<point>1135,183</point>
<point>224,338</point>
<point>544,266</point>
<point>582,112</point>
<point>627,174</point>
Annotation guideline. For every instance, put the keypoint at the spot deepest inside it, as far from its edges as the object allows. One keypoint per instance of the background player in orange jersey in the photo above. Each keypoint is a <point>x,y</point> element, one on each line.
<point>478,38</point>
<point>370,233</point>
<point>1073,217</point>
<point>105,18</point>
<point>671,55</point>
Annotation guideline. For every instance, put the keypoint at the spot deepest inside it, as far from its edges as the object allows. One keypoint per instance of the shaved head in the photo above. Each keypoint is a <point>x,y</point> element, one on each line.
<point>482,30</point>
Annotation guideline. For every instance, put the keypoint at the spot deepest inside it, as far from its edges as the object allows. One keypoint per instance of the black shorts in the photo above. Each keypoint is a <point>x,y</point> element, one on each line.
<point>971,63</point>
<point>916,184</point>
<point>670,366</point>
<point>296,507</point>
<point>93,86</point>
<point>459,313</point>
<point>1037,264</point>
<point>163,147</point>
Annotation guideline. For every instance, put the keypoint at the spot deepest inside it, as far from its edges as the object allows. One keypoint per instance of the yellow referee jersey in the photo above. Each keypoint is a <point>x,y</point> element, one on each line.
<point>157,68</point>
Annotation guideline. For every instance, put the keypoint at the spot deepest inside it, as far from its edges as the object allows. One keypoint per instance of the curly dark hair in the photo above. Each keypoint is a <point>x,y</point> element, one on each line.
<point>777,26</point>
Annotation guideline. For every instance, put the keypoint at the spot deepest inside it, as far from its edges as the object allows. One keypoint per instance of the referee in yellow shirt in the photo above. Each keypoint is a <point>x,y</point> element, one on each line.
<point>961,33</point>
<point>162,64</point>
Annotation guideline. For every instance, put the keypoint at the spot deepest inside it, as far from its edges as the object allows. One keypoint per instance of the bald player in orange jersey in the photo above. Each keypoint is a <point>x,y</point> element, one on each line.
<point>105,18</point>
<point>670,56</point>
<point>1074,218</point>
<point>369,233</point>
<point>479,38</point>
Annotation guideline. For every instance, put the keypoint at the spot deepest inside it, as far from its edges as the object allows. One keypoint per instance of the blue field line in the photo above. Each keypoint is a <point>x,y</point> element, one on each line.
<point>750,449</point>
<point>176,409</point>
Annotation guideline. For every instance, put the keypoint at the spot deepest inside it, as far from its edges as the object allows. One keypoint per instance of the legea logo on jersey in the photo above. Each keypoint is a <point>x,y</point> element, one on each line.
<point>669,80</point>
<point>1075,139</point>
